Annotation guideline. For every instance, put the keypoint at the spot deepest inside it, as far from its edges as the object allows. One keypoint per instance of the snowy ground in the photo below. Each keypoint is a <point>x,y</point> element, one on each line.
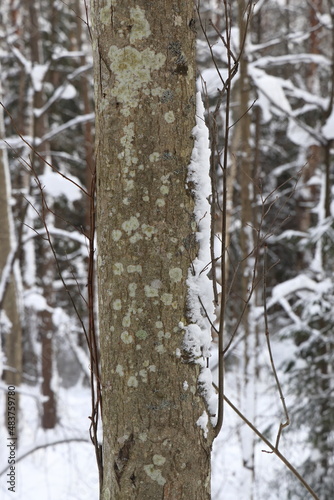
<point>61,472</point>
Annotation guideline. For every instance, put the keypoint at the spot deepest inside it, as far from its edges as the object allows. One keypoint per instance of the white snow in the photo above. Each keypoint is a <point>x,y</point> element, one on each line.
<point>35,300</point>
<point>328,128</point>
<point>307,58</point>
<point>299,134</point>
<point>69,92</point>
<point>16,142</point>
<point>212,80</point>
<point>291,286</point>
<point>197,339</point>
<point>55,185</point>
<point>54,464</point>
<point>37,74</point>
<point>270,93</point>
<point>202,422</point>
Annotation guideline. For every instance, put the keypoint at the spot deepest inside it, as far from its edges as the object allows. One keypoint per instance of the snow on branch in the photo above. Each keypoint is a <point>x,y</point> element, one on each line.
<point>268,61</point>
<point>62,233</point>
<point>16,142</point>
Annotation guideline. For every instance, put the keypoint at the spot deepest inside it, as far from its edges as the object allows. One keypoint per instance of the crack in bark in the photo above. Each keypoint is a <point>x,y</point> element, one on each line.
<point>123,457</point>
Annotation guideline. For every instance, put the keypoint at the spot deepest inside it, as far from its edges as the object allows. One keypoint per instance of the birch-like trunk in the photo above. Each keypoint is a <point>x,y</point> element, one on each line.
<point>145,112</point>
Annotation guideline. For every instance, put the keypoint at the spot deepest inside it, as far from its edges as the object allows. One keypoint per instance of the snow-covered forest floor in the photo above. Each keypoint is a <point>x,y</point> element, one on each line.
<point>63,471</point>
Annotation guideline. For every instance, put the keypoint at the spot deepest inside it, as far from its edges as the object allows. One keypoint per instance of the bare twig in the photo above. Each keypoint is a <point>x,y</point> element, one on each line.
<point>272,448</point>
<point>43,446</point>
<point>27,143</point>
<point>273,367</point>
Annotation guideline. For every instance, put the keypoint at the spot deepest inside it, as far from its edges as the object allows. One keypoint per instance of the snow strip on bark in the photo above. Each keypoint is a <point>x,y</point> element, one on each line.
<point>197,339</point>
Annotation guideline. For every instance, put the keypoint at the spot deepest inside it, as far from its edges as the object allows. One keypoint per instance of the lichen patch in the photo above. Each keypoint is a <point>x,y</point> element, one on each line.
<point>158,460</point>
<point>142,436</point>
<point>164,190</point>
<point>140,26</point>
<point>116,234</point>
<point>130,225</point>
<point>154,157</point>
<point>126,142</point>
<point>134,269</point>
<point>160,202</point>
<point>133,73</point>
<point>132,287</point>
<point>151,291</point>
<point>126,321</point>
<point>154,474</point>
<point>118,268</point>
<point>117,305</point>
<point>120,370</point>
<point>126,337</point>
<point>167,299</point>
<point>141,334</point>
<point>175,274</point>
<point>160,349</point>
<point>169,117</point>
<point>132,381</point>
<point>148,230</point>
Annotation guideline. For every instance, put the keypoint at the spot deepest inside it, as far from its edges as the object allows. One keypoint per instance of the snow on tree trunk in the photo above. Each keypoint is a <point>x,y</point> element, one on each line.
<point>153,445</point>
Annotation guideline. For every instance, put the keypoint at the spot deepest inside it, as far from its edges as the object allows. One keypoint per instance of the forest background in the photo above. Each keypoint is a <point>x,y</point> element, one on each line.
<point>280,235</point>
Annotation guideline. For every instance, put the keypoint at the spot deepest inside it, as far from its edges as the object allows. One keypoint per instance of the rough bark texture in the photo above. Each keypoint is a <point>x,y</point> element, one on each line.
<point>145,112</point>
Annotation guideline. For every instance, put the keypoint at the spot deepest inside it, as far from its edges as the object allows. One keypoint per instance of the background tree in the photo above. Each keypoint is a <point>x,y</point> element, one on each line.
<point>43,71</point>
<point>10,303</point>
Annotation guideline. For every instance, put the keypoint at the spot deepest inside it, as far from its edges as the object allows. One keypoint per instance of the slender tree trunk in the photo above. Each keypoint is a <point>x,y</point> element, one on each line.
<point>244,158</point>
<point>145,102</point>
<point>46,328</point>
<point>12,335</point>
<point>86,99</point>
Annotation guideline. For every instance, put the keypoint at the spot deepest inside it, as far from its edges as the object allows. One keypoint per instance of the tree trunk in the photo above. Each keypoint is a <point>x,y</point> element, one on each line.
<point>9,299</point>
<point>86,98</point>
<point>145,107</point>
<point>39,125</point>
<point>248,360</point>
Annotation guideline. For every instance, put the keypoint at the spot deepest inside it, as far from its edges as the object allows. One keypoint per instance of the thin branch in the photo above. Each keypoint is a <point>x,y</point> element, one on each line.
<point>38,154</point>
<point>43,446</point>
<point>273,448</point>
<point>273,367</point>
<point>208,316</point>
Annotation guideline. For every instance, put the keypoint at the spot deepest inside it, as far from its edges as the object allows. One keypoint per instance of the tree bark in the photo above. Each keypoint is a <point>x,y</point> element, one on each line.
<point>145,111</point>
